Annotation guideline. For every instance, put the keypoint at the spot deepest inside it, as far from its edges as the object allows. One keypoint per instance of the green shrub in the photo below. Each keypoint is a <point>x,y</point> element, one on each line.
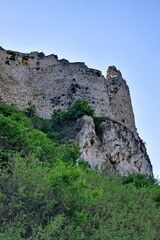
<point>139,180</point>
<point>79,109</point>
<point>11,57</point>
<point>47,193</point>
<point>63,126</point>
<point>63,120</point>
<point>17,134</point>
<point>30,111</point>
<point>98,126</point>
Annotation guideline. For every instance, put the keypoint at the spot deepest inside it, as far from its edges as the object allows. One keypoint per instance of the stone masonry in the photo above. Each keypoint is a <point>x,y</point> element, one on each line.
<point>49,83</point>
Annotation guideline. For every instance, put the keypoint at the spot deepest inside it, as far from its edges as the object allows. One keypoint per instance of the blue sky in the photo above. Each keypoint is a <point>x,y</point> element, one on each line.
<point>124,33</point>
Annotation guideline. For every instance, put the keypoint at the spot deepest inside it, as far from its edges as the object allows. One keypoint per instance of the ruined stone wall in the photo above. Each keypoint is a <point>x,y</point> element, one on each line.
<point>49,83</point>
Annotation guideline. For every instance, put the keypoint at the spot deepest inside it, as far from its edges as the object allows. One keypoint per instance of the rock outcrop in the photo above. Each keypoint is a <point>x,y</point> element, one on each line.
<point>119,147</point>
<point>49,84</point>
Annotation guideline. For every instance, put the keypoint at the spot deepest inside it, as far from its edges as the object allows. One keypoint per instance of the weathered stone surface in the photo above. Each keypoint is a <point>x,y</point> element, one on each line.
<point>120,148</point>
<point>91,147</point>
<point>49,84</point>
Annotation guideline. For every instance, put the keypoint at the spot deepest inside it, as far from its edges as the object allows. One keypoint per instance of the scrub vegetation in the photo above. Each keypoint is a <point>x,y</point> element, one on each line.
<point>45,194</point>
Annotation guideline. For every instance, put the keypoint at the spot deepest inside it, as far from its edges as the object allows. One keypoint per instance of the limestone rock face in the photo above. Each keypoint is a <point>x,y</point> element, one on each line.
<point>119,148</point>
<point>50,84</point>
<point>90,145</point>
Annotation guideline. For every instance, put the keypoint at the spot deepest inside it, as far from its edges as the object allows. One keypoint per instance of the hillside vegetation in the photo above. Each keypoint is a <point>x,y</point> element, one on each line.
<point>46,194</point>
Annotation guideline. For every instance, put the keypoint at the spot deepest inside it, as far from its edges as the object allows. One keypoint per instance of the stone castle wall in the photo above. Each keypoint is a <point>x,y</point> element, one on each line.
<point>49,83</point>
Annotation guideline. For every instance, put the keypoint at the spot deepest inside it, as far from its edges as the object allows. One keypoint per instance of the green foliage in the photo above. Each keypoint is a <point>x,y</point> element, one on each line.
<point>156,194</point>
<point>62,126</point>
<point>11,110</point>
<point>35,193</point>
<point>139,180</point>
<point>18,135</point>
<point>79,109</point>
<point>98,126</point>
<point>12,138</point>
<point>31,111</point>
<point>47,192</point>
<point>11,57</point>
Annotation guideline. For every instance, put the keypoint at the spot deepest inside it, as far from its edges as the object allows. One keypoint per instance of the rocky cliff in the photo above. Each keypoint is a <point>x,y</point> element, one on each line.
<point>49,84</point>
<point>119,148</point>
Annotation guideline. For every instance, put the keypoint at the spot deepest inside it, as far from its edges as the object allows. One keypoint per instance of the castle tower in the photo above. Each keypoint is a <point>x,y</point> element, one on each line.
<point>119,98</point>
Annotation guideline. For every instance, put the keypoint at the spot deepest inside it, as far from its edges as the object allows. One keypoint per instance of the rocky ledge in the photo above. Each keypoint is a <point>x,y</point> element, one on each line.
<point>119,148</point>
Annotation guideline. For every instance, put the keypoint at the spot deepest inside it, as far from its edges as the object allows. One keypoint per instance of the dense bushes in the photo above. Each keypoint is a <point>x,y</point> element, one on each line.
<point>140,180</point>
<point>62,125</point>
<point>44,195</point>
<point>79,109</point>
<point>19,135</point>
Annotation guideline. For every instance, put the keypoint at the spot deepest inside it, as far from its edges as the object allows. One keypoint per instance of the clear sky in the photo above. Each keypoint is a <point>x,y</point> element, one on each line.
<point>124,33</point>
